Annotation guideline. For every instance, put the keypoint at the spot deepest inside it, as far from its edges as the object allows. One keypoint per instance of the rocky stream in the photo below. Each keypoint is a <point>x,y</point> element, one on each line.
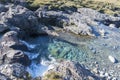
<point>68,44</point>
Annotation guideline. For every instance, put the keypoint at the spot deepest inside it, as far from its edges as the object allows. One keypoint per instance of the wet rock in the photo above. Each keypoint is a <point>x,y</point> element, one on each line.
<point>11,40</point>
<point>13,71</point>
<point>10,50</point>
<point>3,8</point>
<point>67,70</point>
<point>15,56</point>
<point>3,28</point>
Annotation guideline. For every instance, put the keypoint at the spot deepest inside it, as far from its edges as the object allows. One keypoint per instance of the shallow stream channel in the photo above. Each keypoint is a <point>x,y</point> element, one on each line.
<point>91,52</point>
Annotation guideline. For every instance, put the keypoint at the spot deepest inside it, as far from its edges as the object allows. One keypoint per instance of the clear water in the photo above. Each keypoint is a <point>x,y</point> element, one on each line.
<point>87,51</point>
<point>59,49</point>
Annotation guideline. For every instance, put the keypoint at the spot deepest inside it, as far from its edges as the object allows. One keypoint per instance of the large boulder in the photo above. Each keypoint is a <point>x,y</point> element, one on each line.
<point>11,40</point>
<point>83,21</point>
<point>15,56</point>
<point>18,16</point>
<point>11,49</point>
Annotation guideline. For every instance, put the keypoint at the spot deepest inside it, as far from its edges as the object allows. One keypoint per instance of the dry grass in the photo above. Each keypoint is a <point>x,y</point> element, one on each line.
<point>106,6</point>
<point>116,2</point>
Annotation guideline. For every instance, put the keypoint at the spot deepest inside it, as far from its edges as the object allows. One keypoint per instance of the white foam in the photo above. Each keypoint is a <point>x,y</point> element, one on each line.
<point>31,55</point>
<point>37,70</point>
<point>30,46</point>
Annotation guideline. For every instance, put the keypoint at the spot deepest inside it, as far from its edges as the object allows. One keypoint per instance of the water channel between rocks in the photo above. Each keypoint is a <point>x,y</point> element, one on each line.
<point>81,50</point>
<point>45,50</point>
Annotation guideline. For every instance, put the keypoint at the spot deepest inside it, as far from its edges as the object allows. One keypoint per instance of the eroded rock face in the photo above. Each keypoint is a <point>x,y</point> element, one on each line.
<point>18,16</point>
<point>11,40</point>
<point>67,70</point>
<point>11,50</point>
<point>83,21</point>
<point>13,56</point>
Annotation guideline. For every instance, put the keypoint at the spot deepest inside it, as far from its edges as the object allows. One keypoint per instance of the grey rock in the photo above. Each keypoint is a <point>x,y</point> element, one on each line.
<point>11,40</point>
<point>10,50</point>
<point>16,2</point>
<point>83,21</point>
<point>19,16</point>
<point>3,8</point>
<point>3,77</point>
<point>72,71</point>
<point>15,56</point>
<point>3,28</point>
<point>13,71</point>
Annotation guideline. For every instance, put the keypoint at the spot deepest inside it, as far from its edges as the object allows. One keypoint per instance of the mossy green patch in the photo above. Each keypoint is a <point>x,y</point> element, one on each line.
<point>53,76</point>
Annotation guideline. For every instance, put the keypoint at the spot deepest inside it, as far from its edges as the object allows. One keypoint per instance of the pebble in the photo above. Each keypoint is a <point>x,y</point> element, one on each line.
<point>102,32</point>
<point>95,70</point>
<point>112,59</point>
<point>104,69</point>
<point>106,74</point>
<point>94,51</point>
<point>96,62</point>
<point>91,48</point>
<point>114,78</point>
<point>115,47</point>
<point>104,44</point>
<point>112,25</point>
<point>102,74</point>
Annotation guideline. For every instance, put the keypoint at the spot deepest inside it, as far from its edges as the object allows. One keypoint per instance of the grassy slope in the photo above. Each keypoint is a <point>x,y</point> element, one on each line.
<point>106,6</point>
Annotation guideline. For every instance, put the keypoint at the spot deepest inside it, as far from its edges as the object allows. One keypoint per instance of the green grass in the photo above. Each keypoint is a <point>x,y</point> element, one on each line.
<point>111,7</point>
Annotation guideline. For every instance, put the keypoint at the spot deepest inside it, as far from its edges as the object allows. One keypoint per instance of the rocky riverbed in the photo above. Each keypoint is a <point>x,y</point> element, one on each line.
<point>68,44</point>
